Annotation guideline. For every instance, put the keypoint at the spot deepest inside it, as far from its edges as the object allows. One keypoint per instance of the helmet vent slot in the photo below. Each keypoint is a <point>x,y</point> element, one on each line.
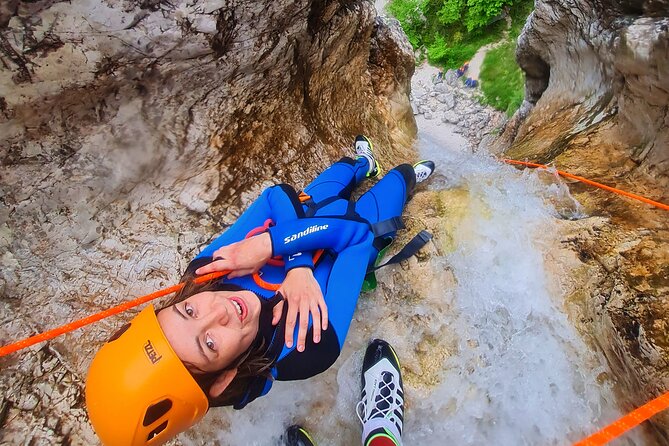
<point>154,412</point>
<point>118,334</point>
<point>156,431</point>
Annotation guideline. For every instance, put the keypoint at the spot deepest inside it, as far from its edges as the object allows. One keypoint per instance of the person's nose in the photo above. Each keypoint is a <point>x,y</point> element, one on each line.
<point>219,314</point>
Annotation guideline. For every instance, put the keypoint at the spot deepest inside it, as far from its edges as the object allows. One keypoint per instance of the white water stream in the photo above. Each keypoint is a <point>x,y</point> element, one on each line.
<point>522,374</point>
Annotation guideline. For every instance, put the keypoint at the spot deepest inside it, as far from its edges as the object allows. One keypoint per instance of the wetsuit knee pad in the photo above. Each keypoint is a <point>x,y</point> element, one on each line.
<point>409,176</point>
<point>347,160</point>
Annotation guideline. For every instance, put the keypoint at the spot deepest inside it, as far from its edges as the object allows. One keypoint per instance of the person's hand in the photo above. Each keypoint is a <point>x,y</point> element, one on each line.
<point>303,295</point>
<point>241,258</point>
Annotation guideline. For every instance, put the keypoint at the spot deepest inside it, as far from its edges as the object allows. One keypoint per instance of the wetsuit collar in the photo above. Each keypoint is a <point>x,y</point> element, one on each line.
<point>267,333</point>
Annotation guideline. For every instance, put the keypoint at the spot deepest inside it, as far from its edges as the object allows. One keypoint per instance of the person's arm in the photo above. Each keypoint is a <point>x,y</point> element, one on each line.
<point>279,203</point>
<point>288,237</point>
<point>341,297</point>
<point>308,234</point>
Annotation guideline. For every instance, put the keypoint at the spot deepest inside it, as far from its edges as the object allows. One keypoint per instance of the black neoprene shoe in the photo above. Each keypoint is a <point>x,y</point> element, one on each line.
<point>298,436</point>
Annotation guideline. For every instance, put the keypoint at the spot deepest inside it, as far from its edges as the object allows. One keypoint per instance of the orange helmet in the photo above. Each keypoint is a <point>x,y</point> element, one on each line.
<point>138,391</point>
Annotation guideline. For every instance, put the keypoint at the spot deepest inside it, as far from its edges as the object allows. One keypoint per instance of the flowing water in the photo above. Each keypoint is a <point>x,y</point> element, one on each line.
<point>522,374</point>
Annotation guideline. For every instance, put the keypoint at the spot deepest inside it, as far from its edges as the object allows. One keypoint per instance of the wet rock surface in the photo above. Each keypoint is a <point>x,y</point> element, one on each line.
<point>132,133</point>
<point>597,100</point>
<point>444,99</point>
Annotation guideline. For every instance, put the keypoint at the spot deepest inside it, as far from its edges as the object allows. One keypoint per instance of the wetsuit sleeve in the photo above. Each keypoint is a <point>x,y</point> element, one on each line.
<point>285,206</point>
<point>279,203</point>
<point>310,234</point>
<point>342,289</point>
<point>299,259</point>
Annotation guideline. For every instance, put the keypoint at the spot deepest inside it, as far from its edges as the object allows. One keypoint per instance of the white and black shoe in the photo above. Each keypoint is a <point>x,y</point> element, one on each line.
<point>363,149</point>
<point>381,408</point>
<point>423,170</point>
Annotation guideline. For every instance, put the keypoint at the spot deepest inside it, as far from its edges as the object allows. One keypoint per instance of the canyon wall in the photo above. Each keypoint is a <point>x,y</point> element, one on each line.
<point>597,105</point>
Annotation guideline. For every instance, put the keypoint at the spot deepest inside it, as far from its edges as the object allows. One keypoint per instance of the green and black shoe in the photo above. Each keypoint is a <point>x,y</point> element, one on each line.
<point>298,436</point>
<point>363,149</point>
<point>423,170</point>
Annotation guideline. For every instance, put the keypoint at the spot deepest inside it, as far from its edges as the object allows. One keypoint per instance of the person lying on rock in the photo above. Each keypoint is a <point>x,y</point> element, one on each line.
<point>223,343</point>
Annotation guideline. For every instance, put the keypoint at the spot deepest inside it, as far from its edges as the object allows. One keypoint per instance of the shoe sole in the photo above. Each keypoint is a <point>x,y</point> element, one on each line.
<point>377,167</point>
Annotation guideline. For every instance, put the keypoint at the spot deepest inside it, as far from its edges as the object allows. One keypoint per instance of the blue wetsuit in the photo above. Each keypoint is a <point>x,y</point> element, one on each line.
<point>330,221</point>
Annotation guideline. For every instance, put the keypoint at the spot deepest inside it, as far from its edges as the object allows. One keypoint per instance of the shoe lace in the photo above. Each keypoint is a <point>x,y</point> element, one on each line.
<point>384,391</point>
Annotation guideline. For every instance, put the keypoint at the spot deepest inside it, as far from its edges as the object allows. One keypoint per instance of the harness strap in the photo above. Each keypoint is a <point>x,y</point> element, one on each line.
<point>386,227</point>
<point>409,249</point>
<point>313,206</point>
<point>306,199</point>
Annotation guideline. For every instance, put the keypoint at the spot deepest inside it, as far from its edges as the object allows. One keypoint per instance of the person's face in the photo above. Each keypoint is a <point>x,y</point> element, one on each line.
<point>209,330</point>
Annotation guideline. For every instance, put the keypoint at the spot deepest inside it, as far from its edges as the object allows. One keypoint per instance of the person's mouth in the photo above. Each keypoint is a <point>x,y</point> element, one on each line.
<point>240,306</point>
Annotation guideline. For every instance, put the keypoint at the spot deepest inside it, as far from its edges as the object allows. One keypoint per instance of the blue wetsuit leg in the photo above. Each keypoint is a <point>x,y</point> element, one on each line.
<point>338,180</point>
<point>386,199</point>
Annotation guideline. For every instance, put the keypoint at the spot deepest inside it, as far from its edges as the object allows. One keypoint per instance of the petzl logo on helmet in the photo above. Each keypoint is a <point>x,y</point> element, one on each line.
<point>151,352</point>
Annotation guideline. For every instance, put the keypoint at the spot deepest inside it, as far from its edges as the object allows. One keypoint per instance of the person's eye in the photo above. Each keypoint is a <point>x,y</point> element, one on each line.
<point>189,310</point>
<point>210,343</point>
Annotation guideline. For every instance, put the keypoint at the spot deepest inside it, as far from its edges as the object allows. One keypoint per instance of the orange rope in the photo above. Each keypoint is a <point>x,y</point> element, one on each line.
<point>593,183</point>
<point>629,421</point>
<point>11,348</point>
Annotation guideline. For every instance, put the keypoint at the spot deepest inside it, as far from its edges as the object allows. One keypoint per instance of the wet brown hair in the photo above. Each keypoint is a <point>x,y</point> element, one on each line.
<point>250,364</point>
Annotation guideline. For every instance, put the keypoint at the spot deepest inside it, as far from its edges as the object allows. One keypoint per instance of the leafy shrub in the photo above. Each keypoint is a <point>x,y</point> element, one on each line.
<point>451,12</point>
<point>481,12</point>
<point>450,31</point>
<point>502,81</point>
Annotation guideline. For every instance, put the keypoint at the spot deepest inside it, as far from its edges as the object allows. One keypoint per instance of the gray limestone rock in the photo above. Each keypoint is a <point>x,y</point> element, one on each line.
<point>448,100</point>
<point>619,68</point>
<point>451,117</point>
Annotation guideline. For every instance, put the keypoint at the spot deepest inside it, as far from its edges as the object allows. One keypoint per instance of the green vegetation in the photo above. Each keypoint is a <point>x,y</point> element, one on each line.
<point>502,81</point>
<point>450,31</point>
<point>519,14</point>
